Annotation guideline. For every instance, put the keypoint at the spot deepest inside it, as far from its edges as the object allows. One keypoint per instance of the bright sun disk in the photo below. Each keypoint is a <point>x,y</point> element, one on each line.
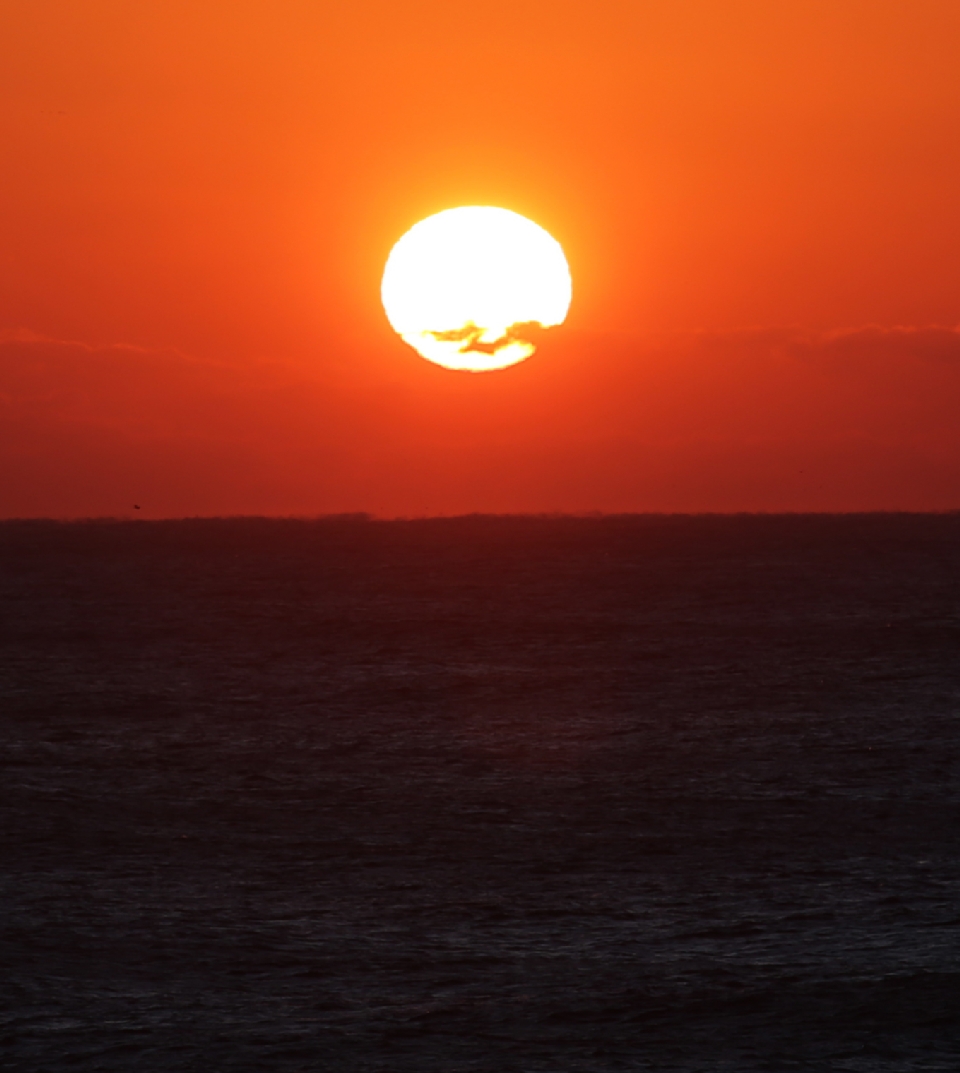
<point>467,288</point>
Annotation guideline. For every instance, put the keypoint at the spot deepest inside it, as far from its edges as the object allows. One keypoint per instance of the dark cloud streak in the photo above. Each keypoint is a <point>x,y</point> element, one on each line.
<point>750,420</point>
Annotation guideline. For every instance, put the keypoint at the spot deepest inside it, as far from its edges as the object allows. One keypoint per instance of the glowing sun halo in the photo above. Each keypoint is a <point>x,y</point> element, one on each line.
<point>465,287</point>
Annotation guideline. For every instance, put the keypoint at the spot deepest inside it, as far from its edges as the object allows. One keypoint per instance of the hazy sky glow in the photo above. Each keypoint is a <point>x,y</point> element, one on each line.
<point>758,203</point>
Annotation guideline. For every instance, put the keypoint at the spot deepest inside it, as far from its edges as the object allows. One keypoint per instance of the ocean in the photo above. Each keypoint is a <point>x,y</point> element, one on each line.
<point>498,794</point>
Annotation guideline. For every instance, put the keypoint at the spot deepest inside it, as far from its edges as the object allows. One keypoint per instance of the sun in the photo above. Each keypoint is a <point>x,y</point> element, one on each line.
<point>469,287</point>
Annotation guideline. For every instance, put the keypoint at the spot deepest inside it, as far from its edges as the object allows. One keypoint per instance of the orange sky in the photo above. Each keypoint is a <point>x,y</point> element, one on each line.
<point>760,203</point>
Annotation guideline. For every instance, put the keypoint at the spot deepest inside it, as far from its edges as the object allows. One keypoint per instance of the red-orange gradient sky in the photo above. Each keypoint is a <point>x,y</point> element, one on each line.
<point>760,203</point>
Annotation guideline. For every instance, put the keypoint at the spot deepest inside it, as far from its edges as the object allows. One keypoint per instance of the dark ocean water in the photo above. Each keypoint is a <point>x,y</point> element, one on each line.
<point>481,794</point>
